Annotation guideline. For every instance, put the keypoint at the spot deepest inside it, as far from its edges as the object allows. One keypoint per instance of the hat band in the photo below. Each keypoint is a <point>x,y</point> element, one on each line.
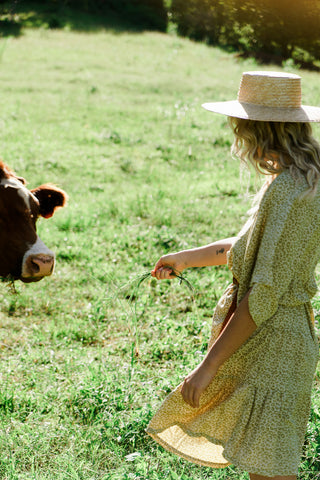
<point>285,93</point>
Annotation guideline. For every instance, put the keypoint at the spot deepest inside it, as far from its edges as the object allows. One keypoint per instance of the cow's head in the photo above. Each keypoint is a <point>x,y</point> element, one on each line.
<point>22,254</point>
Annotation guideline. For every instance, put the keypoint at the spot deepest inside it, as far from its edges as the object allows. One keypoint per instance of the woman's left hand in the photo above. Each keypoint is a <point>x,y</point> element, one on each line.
<point>196,383</point>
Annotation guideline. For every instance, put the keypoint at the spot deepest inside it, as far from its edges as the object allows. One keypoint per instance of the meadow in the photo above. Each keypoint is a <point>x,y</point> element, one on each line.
<point>87,356</point>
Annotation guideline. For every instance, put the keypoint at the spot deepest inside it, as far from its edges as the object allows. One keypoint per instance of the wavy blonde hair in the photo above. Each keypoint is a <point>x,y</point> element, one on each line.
<point>272,147</point>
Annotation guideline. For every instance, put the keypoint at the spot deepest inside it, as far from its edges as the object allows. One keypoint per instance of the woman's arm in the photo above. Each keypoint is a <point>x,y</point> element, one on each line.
<point>239,328</point>
<point>210,255</point>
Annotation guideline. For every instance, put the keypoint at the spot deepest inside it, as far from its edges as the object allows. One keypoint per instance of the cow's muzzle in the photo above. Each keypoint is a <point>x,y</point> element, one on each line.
<point>38,262</point>
<point>36,266</point>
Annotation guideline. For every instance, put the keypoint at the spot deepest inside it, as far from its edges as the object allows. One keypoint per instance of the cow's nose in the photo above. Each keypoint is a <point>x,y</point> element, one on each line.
<point>38,265</point>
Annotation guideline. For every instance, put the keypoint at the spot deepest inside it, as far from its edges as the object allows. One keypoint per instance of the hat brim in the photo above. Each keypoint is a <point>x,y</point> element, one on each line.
<point>250,111</point>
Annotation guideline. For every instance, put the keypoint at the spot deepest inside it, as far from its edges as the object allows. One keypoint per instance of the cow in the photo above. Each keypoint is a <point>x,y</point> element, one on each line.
<point>23,256</point>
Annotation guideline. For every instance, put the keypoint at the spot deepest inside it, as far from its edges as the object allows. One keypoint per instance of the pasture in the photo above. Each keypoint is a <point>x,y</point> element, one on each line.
<point>115,119</point>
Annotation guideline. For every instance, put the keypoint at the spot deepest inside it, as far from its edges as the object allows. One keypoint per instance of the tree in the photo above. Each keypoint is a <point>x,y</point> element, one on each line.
<point>266,27</point>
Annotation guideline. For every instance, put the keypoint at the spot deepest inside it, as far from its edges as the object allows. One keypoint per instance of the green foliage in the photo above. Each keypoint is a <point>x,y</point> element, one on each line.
<point>140,14</point>
<point>149,14</point>
<point>86,357</point>
<point>268,29</point>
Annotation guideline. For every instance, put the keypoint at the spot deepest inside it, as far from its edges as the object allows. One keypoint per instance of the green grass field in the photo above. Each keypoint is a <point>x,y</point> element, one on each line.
<point>86,357</point>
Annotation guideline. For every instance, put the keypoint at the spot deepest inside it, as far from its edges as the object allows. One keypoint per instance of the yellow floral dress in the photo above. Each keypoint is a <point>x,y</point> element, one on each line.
<point>255,411</point>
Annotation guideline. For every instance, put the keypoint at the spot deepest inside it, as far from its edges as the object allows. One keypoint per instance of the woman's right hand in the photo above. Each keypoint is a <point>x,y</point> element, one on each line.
<point>168,266</point>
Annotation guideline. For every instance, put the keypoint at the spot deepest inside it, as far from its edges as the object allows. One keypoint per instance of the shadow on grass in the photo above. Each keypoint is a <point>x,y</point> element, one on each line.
<point>16,15</point>
<point>9,28</point>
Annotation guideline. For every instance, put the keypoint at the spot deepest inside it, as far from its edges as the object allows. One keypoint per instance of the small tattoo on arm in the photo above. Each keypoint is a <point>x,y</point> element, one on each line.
<point>220,251</point>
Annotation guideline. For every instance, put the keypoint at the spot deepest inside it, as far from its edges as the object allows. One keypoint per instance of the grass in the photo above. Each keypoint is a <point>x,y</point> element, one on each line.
<point>85,356</point>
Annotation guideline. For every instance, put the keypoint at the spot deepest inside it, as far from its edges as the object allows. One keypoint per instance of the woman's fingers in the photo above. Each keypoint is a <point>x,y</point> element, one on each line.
<point>157,265</point>
<point>196,399</point>
<point>192,398</point>
<point>185,393</point>
<point>165,267</point>
<point>162,272</point>
<point>190,394</point>
<point>196,383</point>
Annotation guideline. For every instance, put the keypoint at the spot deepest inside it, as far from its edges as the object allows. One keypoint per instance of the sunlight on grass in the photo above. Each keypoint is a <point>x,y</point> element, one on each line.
<point>116,121</point>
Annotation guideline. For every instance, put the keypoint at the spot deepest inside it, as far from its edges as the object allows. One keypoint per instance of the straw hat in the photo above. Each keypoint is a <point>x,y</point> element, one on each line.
<point>268,96</point>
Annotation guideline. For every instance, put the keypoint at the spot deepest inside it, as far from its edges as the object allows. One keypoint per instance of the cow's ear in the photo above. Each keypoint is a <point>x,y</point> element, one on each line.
<point>50,197</point>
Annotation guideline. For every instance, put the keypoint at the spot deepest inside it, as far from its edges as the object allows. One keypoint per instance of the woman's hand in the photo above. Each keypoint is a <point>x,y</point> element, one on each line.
<point>168,265</point>
<point>210,255</point>
<point>196,383</point>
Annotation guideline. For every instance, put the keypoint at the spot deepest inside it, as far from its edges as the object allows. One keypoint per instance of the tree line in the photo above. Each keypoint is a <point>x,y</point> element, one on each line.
<point>268,29</point>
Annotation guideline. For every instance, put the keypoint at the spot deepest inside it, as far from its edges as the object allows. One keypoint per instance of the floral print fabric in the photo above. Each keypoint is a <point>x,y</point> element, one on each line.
<point>255,411</point>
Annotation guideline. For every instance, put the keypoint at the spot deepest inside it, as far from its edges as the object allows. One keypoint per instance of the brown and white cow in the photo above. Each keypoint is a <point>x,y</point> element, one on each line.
<point>23,255</point>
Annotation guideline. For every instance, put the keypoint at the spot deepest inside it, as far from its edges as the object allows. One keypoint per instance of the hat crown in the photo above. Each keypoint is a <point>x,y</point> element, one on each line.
<point>270,89</point>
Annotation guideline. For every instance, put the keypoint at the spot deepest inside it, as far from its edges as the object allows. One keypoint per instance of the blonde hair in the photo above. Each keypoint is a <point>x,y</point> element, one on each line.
<point>272,147</point>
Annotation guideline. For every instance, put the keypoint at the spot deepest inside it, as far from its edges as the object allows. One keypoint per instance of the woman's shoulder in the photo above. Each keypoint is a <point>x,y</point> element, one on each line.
<point>283,195</point>
<point>286,181</point>
<point>284,186</point>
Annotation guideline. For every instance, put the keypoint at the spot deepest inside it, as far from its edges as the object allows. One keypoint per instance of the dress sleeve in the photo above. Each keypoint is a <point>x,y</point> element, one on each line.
<point>280,239</point>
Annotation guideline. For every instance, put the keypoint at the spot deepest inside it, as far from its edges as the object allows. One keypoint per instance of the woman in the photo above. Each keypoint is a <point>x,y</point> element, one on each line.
<point>248,401</point>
